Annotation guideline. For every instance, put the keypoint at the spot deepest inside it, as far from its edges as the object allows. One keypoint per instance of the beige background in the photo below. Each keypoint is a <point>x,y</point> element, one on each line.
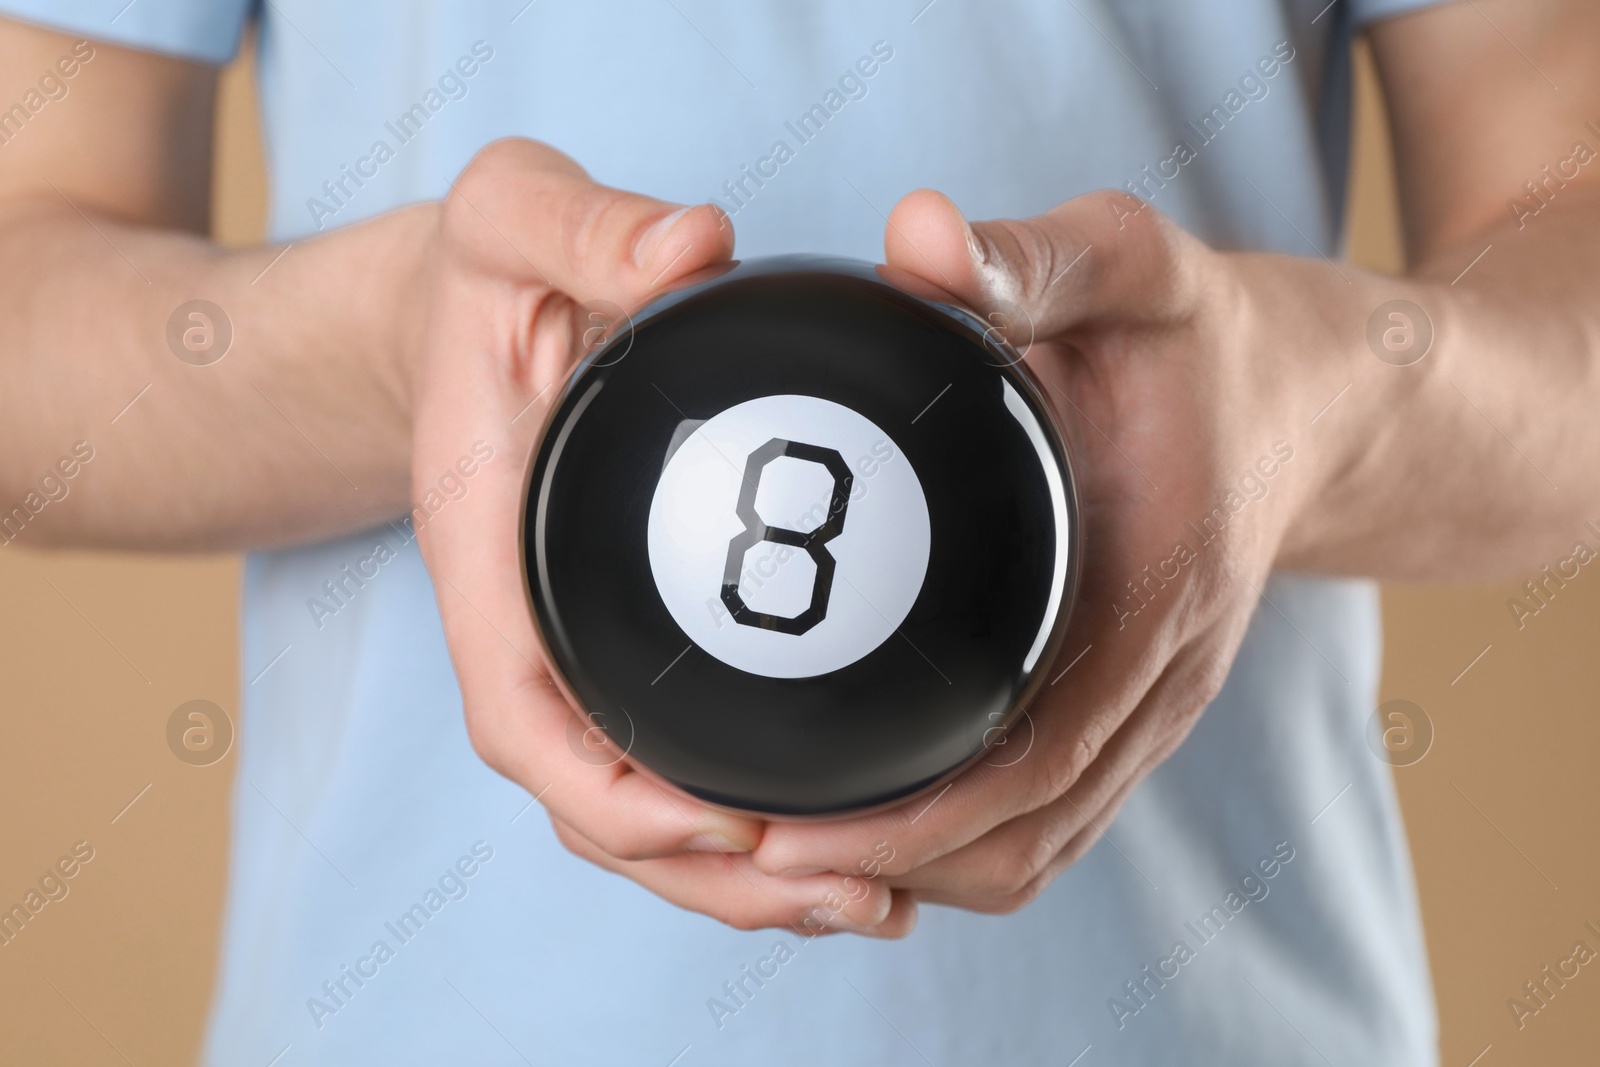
<point>97,650</point>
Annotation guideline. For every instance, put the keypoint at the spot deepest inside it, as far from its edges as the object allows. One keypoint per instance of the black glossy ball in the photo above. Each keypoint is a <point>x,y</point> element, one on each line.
<point>799,542</point>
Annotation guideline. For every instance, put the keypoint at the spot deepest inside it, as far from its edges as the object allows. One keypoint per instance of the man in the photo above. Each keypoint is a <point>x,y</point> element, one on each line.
<point>390,901</point>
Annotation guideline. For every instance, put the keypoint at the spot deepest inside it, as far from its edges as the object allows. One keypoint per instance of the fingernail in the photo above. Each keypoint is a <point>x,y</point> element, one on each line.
<point>649,242</point>
<point>716,832</point>
<point>801,872</point>
<point>714,841</point>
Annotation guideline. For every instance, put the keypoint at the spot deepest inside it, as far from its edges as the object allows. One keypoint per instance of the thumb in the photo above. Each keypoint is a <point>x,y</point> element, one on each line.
<point>527,212</point>
<point>1098,256</point>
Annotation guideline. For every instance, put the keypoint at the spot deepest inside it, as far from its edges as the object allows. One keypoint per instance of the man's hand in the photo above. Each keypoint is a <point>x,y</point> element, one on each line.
<point>1179,370</point>
<point>524,240</point>
<point>1194,455</point>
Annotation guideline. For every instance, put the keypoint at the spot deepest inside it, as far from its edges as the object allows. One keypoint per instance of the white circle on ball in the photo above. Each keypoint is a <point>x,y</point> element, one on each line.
<point>879,544</point>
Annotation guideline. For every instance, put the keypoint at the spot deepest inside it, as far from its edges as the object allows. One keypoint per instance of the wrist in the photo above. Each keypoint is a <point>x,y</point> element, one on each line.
<point>331,326</point>
<point>397,308</point>
<point>1348,352</point>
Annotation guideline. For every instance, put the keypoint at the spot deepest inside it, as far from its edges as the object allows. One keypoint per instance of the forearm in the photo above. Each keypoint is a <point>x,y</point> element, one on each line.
<point>301,431</point>
<point>1478,461</point>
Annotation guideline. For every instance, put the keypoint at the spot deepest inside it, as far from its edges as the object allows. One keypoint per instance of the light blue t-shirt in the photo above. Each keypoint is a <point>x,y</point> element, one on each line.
<point>393,901</point>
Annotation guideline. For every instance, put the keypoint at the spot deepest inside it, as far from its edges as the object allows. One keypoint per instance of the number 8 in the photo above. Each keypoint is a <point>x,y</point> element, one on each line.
<point>756,531</point>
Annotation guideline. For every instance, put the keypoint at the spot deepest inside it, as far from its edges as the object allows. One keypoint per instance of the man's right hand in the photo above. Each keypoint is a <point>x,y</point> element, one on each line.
<point>386,346</point>
<point>523,241</point>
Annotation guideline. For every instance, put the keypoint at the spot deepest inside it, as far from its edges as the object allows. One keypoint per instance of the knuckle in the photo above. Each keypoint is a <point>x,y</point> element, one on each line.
<point>511,156</point>
<point>1137,218</point>
<point>627,841</point>
<point>1138,235</point>
<point>487,171</point>
<point>1216,587</point>
<point>1169,254</point>
<point>623,840</point>
<point>1031,253</point>
<point>1079,755</point>
<point>569,838</point>
<point>1212,677</point>
<point>1037,257</point>
<point>511,174</point>
<point>1134,220</point>
<point>1014,901</point>
<point>484,735</point>
<point>1047,860</point>
<point>1019,868</point>
<point>746,920</point>
<point>588,219</point>
<point>495,159</point>
<point>903,863</point>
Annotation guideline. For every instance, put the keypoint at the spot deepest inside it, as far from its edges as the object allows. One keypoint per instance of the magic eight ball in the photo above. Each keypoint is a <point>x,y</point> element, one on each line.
<point>799,542</point>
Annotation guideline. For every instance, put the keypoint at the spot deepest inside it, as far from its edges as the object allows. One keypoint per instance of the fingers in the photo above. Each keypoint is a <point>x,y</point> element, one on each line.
<point>530,736</point>
<point>730,889</point>
<point>1000,870</point>
<point>525,234</point>
<point>517,720</point>
<point>1006,898</point>
<point>1098,256</point>
<point>1069,733</point>
<point>531,213</point>
<point>1010,865</point>
<point>1128,697</point>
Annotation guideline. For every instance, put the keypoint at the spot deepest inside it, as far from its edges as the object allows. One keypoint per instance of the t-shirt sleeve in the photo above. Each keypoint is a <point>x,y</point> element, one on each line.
<point>204,30</point>
<point>1365,12</point>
